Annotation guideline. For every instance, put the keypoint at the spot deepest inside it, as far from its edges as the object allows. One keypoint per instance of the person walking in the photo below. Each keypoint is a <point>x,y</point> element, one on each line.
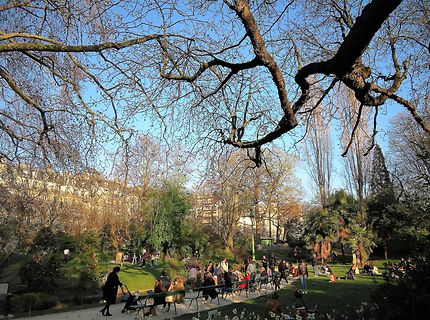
<point>110,290</point>
<point>282,268</point>
<point>303,275</point>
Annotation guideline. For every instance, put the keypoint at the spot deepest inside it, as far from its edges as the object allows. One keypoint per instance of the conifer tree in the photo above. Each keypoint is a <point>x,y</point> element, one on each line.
<point>380,179</point>
<point>382,203</point>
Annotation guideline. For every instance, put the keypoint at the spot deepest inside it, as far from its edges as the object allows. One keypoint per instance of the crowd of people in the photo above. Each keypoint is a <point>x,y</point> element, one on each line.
<point>141,258</point>
<point>222,272</point>
<point>208,276</point>
<point>399,270</point>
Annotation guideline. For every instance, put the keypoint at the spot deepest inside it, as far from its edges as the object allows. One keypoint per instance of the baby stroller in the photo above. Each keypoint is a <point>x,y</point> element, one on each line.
<point>129,299</point>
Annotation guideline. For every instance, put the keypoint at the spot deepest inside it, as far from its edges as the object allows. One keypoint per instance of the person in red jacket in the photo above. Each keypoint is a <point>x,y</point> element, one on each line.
<point>248,278</point>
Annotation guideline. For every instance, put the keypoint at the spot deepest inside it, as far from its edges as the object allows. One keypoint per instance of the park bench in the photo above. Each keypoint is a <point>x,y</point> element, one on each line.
<point>256,284</point>
<point>260,282</point>
<point>197,293</point>
<point>145,302</point>
<point>238,287</point>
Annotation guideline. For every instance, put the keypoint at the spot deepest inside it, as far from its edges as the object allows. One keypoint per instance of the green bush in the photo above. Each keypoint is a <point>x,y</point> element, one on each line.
<point>80,272</point>
<point>33,301</point>
<point>40,274</point>
<point>405,294</point>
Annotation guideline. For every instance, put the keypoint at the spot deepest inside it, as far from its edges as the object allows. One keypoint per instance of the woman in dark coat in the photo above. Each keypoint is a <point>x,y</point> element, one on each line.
<point>110,290</point>
<point>209,281</point>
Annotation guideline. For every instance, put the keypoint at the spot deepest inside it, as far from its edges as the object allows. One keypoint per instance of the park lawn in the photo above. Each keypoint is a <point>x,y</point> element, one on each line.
<point>141,279</point>
<point>344,295</point>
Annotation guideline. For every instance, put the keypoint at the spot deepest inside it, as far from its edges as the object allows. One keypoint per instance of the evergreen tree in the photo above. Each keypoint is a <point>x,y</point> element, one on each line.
<point>169,207</point>
<point>382,205</point>
<point>380,179</point>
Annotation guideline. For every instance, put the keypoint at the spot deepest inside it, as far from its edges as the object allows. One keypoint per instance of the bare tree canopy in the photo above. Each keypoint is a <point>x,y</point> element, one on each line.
<point>76,74</point>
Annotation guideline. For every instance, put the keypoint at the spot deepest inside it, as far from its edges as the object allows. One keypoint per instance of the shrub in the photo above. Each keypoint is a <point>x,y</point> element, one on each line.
<point>406,291</point>
<point>39,275</point>
<point>33,301</point>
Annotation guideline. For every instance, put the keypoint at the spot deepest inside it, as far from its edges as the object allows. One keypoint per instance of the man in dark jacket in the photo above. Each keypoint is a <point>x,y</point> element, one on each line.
<point>282,268</point>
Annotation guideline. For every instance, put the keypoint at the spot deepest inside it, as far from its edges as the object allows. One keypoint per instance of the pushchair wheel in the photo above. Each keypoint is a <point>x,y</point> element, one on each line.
<point>123,310</point>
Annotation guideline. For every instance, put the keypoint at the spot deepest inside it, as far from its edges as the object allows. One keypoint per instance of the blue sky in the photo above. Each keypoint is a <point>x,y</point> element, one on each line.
<point>148,124</point>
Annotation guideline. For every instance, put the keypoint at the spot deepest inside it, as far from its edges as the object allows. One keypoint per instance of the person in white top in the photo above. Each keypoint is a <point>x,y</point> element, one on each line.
<point>224,265</point>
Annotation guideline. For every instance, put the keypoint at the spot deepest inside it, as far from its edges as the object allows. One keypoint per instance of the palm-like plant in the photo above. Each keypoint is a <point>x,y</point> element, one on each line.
<point>322,229</point>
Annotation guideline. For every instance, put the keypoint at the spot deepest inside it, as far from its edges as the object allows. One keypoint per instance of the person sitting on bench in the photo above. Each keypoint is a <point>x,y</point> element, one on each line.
<point>211,292</point>
<point>159,299</point>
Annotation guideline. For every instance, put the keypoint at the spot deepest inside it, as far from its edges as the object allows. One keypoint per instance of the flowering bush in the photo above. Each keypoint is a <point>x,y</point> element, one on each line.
<point>365,312</point>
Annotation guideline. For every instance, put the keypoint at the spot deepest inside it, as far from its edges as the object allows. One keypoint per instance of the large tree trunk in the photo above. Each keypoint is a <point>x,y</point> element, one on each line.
<point>325,249</point>
<point>232,226</point>
<point>230,243</point>
<point>317,251</point>
<point>269,211</point>
<point>258,215</point>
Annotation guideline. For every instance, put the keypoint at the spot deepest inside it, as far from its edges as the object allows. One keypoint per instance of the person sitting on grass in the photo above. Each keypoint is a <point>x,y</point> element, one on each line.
<point>367,268</point>
<point>375,271</point>
<point>351,273</point>
<point>332,277</point>
<point>325,270</point>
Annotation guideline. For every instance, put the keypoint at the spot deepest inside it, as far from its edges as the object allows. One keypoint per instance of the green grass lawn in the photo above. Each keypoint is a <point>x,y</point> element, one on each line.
<point>141,279</point>
<point>344,295</point>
